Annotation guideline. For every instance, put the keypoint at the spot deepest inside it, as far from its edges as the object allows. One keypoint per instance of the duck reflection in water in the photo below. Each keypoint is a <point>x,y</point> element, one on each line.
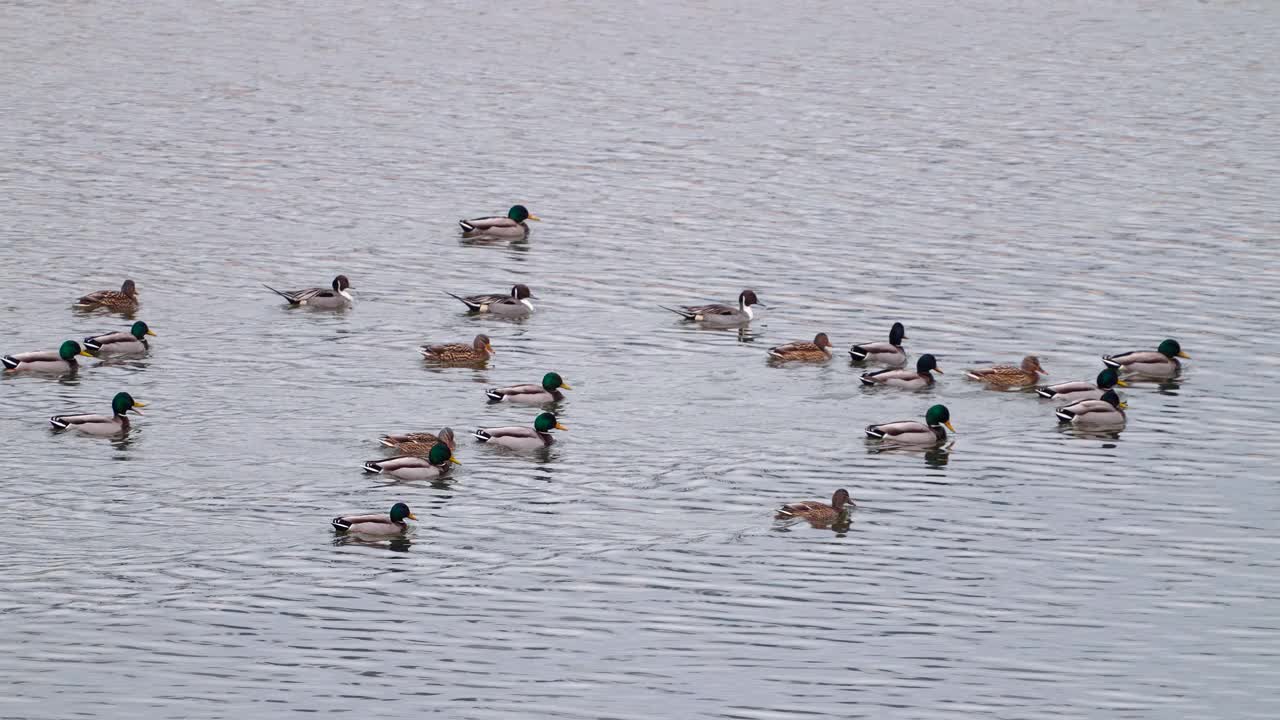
<point>398,543</point>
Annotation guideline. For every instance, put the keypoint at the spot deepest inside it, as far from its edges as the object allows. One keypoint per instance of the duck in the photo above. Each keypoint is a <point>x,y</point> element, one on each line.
<point>337,295</point>
<point>1068,392</point>
<point>818,513</point>
<point>1107,411</point>
<point>393,523</point>
<point>415,467</point>
<point>120,343</point>
<point>519,437</point>
<point>511,227</point>
<point>1162,362</point>
<point>114,424</point>
<point>46,361</point>
<point>514,304</point>
<point>480,350</point>
<point>817,351</point>
<point>531,394</point>
<point>903,378</point>
<point>882,353</point>
<point>910,432</point>
<point>721,315</point>
<point>1009,376</point>
<point>419,443</point>
<point>125,299</point>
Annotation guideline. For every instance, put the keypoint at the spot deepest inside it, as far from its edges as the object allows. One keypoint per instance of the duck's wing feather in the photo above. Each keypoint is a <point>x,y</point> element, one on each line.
<point>1065,387</point>
<point>297,297</point>
<point>63,421</point>
<point>97,342</point>
<point>514,390</point>
<point>894,429</point>
<point>879,376</point>
<point>510,431</point>
<point>488,223</point>
<point>37,356</point>
<point>1134,356</point>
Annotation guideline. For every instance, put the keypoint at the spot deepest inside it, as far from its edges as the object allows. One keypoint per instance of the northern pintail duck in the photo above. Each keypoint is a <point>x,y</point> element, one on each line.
<point>883,353</point>
<point>132,342</point>
<point>114,424</point>
<point>62,360</point>
<point>531,394</point>
<point>1068,392</point>
<point>1161,362</point>
<point>415,467</point>
<point>519,437</point>
<point>1106,412</point>
<point>511,227</point>
<point>818,513</point>
<point>1009,376</point>
<point>937,420</point>
<point>817,351</point>
<point>125,299</point>
<point>514,304</point>
<point>392,523</point>
<point>903,378</point>
<point>478,351</point>
<point>716,314</point>
<point>337,295</point>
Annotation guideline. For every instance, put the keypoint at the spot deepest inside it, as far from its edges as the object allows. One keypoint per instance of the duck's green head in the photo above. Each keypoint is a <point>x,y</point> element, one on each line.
<point>1109,378</point>
<point>441,454</point>
<point>140,330</point>
<point>552,382</point>
<point>70,349</point>
<point>1111,397</point>
<point>400,511</point>
<point>939,415</point>
<point>927,363</point>
<point>520,213</point>
<point>123,402</point>
<point>546,421</point>
<point>1170,349</point>
<point>897,334</point>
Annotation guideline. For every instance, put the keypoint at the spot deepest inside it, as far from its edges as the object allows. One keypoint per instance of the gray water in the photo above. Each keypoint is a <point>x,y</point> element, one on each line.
<point>1065,179</point>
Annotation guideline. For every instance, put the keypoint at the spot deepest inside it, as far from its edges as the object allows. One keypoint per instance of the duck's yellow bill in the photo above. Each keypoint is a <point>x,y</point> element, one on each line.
<point>950,427</point>
<point>139,403</point>
<point>535,217</point>
<point>1123,405</point>
<point>454,460</point>
<point>939,371</point>
<point>1122,383</point>
<point>411,516</point>
<point>151,333</point>
<point>561,427</point>
<point>1184,355</point>
<point>86,353</point>
<point>565,386</point>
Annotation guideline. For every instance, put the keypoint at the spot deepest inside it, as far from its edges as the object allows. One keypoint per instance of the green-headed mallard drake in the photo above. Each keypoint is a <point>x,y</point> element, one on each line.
<point>419,443</point>
<point>910,432</point>
<point>392,523</point>
<point>514,304</point>
<point>819,513</point>
<point>63,360</point>
<point>1068,392</point>
<point>126,299</point>
<point>817,351</point>
<point>1009,376</point>
<point>511,227</point>
<point>721,315</point>
<point>1106,412</point>
<point>903,378</point>
<point>112,424</point>
<point>415,467</point>
<point>519,437</point>
<point>337,295</point>
<point>1161,362</point>
<point>120,343</point>
<point>883,353</point>
<point>548,391</point>
<point>478,351</point>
